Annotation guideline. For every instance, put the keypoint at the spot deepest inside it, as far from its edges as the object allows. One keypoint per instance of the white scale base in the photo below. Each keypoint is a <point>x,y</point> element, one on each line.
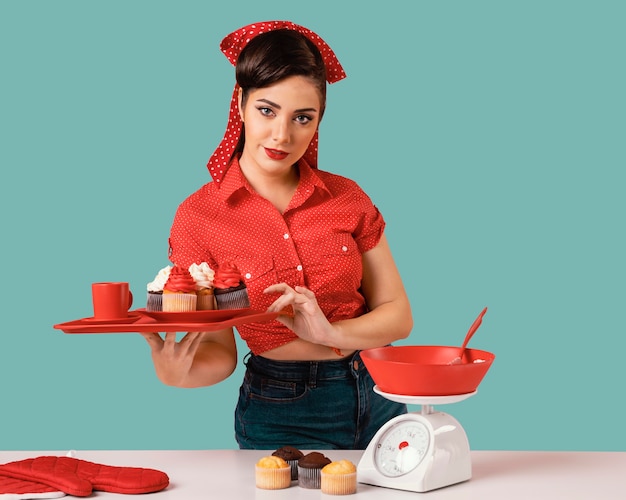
<point>419,451</point>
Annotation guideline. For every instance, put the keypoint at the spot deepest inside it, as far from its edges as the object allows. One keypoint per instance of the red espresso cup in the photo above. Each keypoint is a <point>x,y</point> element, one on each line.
<point>111,300</point>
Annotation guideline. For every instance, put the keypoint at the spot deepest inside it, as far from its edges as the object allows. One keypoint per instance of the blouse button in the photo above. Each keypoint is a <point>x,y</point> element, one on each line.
<point>344,248</point>
<point>299,268</point>
<point>248,276</point>
<point>286,236</point>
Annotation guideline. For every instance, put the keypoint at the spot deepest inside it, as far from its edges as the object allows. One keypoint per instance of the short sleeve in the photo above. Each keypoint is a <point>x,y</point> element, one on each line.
<point>371,225</point>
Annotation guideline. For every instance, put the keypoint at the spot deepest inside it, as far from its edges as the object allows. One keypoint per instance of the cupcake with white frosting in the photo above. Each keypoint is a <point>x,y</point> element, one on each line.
<point>203,276</point>
<point>154,301</point>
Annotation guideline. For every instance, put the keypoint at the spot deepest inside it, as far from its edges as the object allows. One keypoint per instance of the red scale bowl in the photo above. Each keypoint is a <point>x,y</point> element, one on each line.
<point>424,370</point>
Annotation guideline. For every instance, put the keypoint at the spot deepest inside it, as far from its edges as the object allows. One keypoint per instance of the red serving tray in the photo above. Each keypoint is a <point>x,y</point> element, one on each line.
<point>142,321</point>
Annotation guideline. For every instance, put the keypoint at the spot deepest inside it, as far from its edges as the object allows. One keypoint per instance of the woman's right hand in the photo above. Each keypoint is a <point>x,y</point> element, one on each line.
<point>173,360</point>
<point>198,359</point>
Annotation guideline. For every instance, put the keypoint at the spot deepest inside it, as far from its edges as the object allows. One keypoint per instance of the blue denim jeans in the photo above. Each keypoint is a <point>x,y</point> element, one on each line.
<point>311,405</point>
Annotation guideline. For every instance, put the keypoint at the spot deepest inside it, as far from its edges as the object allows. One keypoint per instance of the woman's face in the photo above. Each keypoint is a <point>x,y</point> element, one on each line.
<point>280,121</point>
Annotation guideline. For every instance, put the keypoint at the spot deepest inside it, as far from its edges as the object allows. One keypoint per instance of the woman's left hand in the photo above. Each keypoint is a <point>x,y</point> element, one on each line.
<point>308,321</point>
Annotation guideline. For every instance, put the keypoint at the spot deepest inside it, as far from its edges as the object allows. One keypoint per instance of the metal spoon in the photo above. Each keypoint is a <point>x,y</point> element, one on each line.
<point>470,333</point>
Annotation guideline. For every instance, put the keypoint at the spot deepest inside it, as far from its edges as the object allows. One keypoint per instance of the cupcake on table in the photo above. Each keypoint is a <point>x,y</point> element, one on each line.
<point>229,288</point>
<point>272,473</point>
<point>310,469</point>
<point>179,291</point>
<point>203,275</point>
<point>339,478</point>
<point>290,455</point>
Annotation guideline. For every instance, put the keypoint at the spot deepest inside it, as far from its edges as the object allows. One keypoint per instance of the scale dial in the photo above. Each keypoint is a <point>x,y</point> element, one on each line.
<point>401,448</point>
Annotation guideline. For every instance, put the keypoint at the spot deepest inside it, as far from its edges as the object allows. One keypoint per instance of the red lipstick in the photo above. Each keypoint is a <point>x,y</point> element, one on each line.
<point>276,154</point>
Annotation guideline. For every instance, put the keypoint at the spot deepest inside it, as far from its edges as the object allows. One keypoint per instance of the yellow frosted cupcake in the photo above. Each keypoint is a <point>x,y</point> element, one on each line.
<point>339,478</point>
<point>272,473</point>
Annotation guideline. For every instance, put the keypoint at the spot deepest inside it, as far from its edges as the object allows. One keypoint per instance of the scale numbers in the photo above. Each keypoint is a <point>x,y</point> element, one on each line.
<point>401,448</point>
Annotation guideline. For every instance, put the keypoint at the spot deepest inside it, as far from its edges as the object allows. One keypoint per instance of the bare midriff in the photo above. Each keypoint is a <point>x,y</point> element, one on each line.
<point>301,350</point>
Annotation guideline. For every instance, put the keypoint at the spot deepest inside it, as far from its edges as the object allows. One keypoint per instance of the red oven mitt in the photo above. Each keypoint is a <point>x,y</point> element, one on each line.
<point>14,489</point>
<point>80,477</point>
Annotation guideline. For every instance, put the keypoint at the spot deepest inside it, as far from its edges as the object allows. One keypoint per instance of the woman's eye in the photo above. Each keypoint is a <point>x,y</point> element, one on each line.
<point>265,111</point>
<point>303,119</point>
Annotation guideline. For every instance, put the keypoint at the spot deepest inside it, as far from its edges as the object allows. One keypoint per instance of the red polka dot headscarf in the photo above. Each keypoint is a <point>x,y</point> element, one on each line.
<point>231,46</point>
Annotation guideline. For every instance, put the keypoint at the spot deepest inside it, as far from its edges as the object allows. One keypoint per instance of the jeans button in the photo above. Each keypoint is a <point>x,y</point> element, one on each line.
<point>355,365</point>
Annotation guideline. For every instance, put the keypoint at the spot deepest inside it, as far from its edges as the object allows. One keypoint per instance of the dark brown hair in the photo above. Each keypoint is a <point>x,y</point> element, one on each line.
<point>273,56</point>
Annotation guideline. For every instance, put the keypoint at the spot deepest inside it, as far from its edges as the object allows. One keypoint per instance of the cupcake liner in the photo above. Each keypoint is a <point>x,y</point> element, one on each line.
<point>294,469</point>
<point>237,299</point>
<point>290,455</point>
<point>205,302</point>
<point>154,302</point>
<point>338,484</point>
<point>179,302</point>
<point>309,478</point>
<point>272,479</point>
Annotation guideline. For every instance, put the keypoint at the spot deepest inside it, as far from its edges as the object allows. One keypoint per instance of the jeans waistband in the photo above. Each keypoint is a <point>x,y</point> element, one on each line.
<point>306,371</point>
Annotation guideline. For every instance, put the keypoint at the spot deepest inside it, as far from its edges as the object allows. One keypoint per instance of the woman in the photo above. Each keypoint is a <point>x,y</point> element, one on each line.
<point>304,239</point>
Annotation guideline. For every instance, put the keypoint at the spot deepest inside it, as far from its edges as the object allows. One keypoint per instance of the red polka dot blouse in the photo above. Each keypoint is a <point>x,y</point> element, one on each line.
<point>317,242</point>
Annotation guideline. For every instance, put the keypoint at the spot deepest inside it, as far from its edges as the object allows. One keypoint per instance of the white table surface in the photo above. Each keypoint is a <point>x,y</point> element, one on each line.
<point>502,475</point>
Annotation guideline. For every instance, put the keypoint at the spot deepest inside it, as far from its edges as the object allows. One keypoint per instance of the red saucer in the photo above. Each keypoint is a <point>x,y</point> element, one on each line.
<point>131,318</point>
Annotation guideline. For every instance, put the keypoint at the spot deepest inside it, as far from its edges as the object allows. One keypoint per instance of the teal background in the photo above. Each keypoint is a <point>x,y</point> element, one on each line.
<point>489,133</point>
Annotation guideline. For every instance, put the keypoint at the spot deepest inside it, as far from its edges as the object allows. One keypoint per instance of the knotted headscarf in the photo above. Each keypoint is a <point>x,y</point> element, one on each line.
<point>231,46</point>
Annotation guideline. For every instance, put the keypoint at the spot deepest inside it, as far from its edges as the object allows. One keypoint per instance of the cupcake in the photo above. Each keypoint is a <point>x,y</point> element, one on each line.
<point>179,291</point>
<point>290,455</point>
<point>229,288</point>
<point>154,301</point>
<point>203,276</point>
<point>309,469</point>
<point>272,473</point>
<point>339,478</point>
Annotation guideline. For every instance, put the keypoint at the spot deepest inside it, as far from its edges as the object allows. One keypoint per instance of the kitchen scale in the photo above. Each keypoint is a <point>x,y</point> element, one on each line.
<point>419,451</point>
